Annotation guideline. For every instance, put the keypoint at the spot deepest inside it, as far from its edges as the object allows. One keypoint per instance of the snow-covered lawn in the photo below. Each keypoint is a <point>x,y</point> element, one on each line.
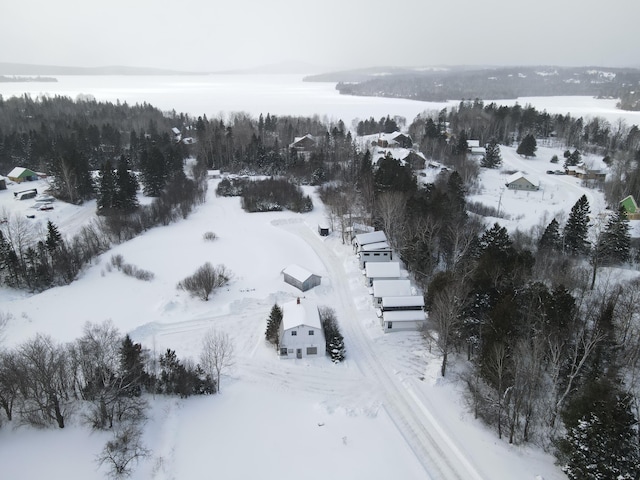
<point>384,413</point>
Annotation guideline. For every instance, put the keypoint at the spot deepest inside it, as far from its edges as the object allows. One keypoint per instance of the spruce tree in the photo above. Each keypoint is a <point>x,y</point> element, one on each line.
<point>106,189</point>
<point>577,227</point>
<point>528,146</point>
<point>273,325</point>
<point>127,187</point>
<point>614,244</point>
<point>492,157</point>
<point>551,240</point>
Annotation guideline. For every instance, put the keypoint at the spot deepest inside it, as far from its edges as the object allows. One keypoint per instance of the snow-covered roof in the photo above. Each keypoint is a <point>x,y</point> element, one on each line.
<point>404,316</point>
<point>305,312</point>
<point>518,176</point>
<point>403,301</point>
<point>391,288</point>
<point>473,143</point>
<point>382,269</point>
<point>297,272</point>
<point>370,247</point>
<point>17,171</point>
<point>371,237</point>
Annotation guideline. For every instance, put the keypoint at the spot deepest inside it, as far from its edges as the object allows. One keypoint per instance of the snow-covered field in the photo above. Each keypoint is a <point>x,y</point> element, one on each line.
<point>384,413</point>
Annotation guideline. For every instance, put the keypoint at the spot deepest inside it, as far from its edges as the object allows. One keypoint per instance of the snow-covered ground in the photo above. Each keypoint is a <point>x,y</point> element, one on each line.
<point>384,413</point>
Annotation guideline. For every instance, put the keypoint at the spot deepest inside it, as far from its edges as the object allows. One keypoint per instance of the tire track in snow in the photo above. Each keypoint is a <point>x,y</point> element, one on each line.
<point>436,451</point>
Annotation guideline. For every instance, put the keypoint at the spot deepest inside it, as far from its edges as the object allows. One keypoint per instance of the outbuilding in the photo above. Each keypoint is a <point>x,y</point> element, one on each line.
<point>301,333</point>
<point>301,278</point>
<point>21,174</point>
<point>403,320</point>
<point>381,271</point>
<point>390,288</point>
<point>519,181</point>
<point>3,183</point>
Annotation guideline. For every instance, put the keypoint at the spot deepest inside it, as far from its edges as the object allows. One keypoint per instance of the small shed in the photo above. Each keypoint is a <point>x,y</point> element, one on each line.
<point>301,333</point>
<point>403,320</point>
<point>519,181</point>
<point>381,271</point>
<point>21,174</point>
<point>301,278</point>
<point>323,230</point>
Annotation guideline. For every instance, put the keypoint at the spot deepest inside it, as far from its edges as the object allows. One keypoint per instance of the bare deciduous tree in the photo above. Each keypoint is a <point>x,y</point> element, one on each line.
<point>217,354</point>
<point>206,279</point>
<point>125,449</point>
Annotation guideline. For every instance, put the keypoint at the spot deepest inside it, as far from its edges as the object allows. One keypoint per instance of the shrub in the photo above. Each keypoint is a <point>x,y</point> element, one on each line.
<point>334,341</point>
<point>205,280</point>
<point>209,236</point>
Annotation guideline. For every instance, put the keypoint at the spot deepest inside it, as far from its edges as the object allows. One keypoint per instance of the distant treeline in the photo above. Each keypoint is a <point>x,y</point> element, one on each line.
<point>499,83</point>
<point>7,79</point>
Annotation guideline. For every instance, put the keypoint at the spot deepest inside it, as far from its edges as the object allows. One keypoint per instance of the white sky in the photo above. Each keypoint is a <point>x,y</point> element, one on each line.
<point>209,35</point>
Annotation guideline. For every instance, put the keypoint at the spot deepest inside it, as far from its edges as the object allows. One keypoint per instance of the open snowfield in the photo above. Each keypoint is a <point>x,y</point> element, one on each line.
<point>384,413</point>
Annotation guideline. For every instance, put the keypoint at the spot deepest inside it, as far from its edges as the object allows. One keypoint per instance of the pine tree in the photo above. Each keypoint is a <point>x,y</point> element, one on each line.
<point>614,244</point>
<point>54,239</point>
<point>106,189</point>
<point>528,146</point>
<point>601,438</point>
<point>126,199</point>
<point>577,228</point>
<point>273,325</point>
<point>336,347</point>
<point>492,157</point>
<point>132,369</point>
<point>551,240</point>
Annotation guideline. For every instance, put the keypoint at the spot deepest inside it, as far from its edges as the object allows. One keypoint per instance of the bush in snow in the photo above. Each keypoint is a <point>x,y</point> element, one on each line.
<point>333,338</point>
<point>206,279</point>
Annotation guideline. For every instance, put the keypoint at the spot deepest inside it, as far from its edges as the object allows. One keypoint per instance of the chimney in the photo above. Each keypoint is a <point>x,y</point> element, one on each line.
<point>298,301</point>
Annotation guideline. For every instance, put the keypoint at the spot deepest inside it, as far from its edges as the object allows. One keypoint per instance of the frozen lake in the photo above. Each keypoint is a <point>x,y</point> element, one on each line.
<point>220,95</point>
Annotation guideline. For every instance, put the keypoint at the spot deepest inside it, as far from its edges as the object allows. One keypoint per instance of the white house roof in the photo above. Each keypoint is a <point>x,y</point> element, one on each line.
<point>295,314</point>
<point>371,247</point>
<point>382,269</point>
<point>404,316</point>
<point>297,272</point>
<point>371,237</point>
<point>405,301</point>
<point>518,176</point>
<point>473,143</point>
<point>391,288</point>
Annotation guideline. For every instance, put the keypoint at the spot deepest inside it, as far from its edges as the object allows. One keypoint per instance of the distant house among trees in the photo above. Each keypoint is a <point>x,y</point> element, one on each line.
<point>519,181</point>
<point>304,144</point>
<point>301,278</point>
<point>475,150</point>
<point>21,174</point>
<point>301,333</point>
<point>393,140</point>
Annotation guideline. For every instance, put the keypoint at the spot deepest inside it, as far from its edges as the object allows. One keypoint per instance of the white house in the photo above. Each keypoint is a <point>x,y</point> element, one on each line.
<point>301,333</point>
<point>403,320</point>
<point>375,252</point>
<point>381,271</point>
<point>390,288</point>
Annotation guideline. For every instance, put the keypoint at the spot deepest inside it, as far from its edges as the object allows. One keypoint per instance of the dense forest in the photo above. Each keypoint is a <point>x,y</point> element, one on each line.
<point>546,343</point>
<point>489,83</point>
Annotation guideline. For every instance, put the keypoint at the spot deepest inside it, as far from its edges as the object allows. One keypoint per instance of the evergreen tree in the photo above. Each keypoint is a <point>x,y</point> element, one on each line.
<point>614,244</point>
<point>336,347</point>
<point>126,199</point>
<point>551,240</point>
<point>153,170</point>
<point>492,157</point>
<point>528,146</point>
<point>273,325</point>
<point>132,369</point>
<point>601,440</point>
<point>577,228</point>
<point>462,146</point>
<point>54,239</point>
<point>106,189</point>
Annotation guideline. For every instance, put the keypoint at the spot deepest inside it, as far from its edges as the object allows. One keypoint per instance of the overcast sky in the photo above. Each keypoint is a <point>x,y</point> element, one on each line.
<point>209,35</point>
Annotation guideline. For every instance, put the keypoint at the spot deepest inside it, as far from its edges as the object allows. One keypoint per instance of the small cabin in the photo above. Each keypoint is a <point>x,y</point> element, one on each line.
<point>390,288</point>
<point>381,271</point>
<point>403,320</point>
<point>323,230</point>
<point>301,278</point>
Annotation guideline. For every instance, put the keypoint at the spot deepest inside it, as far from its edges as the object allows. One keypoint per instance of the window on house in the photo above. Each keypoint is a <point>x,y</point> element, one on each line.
<point>283,351</point>
<point>294,333</point>
<point>312,350</point>
<point>311,332</point>
<point>389,325</point>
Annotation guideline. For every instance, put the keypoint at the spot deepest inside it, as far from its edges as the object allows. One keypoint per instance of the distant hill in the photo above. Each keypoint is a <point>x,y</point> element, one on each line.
<point>28,69</point>
<point>283,68</point>
<point>438,84</point>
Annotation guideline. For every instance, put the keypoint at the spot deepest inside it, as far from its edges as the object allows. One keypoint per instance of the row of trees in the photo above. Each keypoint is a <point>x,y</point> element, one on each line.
<point>268,195</point>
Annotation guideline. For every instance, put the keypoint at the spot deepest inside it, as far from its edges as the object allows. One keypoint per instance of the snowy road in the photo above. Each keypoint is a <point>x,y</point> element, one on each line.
<point>440,457</point>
